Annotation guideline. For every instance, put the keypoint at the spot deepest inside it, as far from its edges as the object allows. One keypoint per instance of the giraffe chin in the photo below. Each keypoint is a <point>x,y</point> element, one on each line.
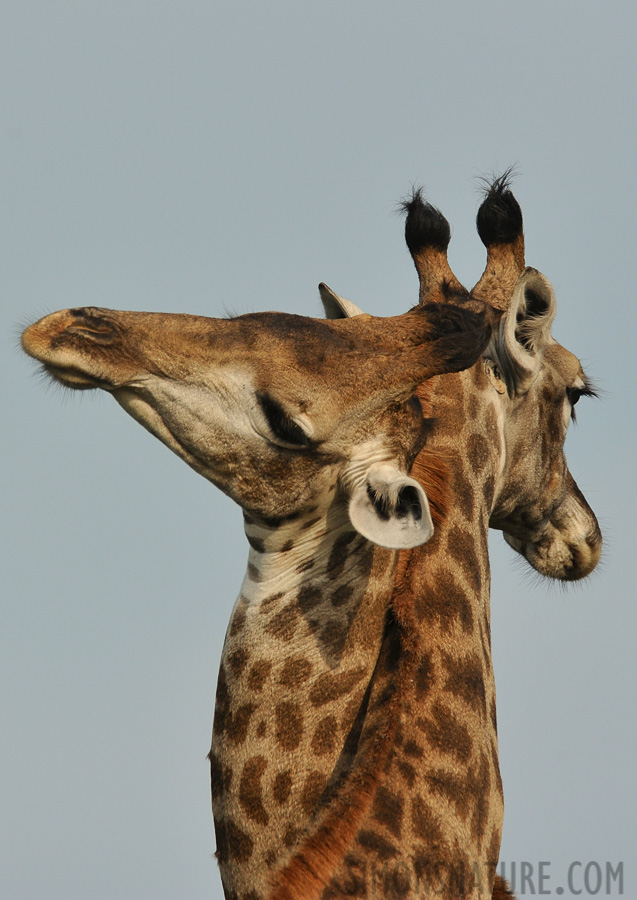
<point>555,556</point>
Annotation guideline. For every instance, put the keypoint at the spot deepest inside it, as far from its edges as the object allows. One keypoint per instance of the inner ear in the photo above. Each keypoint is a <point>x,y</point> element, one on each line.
<point>525,331</point>
<point>391,509</point>
<point>535,314</point>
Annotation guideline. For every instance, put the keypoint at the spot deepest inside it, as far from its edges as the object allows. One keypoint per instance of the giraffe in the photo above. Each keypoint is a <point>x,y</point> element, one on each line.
<point>433,823</point>
<point>310,426</point>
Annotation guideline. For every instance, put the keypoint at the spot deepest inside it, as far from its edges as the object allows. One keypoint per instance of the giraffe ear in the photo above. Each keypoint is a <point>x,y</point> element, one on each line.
<point>391,509</point>
<point>525,331</point>
<point>337,307</point>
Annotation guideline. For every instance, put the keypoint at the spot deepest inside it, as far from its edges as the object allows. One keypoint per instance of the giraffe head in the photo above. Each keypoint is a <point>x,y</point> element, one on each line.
<point>282,412</point>
<point>527,382</point>
<point>535,383</point>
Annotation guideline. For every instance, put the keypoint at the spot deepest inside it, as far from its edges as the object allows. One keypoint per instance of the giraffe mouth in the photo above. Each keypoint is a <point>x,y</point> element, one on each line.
<point>561,556</point>
<point>73,378</point>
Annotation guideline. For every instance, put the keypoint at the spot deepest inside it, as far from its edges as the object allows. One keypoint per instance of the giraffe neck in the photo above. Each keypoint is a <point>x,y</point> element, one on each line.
<point>434,823</point>
<point>299,654</point>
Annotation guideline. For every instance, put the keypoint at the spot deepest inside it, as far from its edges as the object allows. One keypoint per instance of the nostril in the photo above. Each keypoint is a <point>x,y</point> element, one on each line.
<point>97,329</point>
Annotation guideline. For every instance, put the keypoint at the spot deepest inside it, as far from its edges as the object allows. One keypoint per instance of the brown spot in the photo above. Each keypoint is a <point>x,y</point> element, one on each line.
<point>413,749</point>
<point>397,880</point>
<point>309,596</point>
<point>481,789</point>
<point>489,491</point>
<point>493,853</point>
<point>283,624</point>
<point>236,726</point>
<point>325,735</point>
<point>250,796</point>
<point>220,776</point>
<point>267,602</point>
<point>388,810</point>
<point>237,622</point>
<point>425,823</point>
<point>430,870</point>
<point>450,786</point>
<point>271,858</point>
<point>256,543</point>
<point>222,704</point>
<point>461,547</point>
<point>447,733</point>
<point>291,836</point>
<point>313,788</point>
<point>262,728</point>
<point>258,674</point>
<point>379,845</point>
<point>342,594</point>
<point>339,553</point>
<point>289,545</point>
<point>295,671</point>
<point>466,681</point>
<point>445,603</point>
<point>305,566</point>
<point>282,787</point>
<point>407,771</point>
<point>289,725</point>
<point>277,521</point>
<point>232,842</point>
<point>238,660</point>
<point>310,522</point>
<point>330,686</point>
<point>478,452</point>
<point>464,495</point>
<point>349,881</point>
<point>365,559</point>
<point>253,573</point>
<point>333,636</point>
<point>460,876</point>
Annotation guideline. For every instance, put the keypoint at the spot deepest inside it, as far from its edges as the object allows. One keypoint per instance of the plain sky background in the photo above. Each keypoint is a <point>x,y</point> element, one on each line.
<point>204,157</point>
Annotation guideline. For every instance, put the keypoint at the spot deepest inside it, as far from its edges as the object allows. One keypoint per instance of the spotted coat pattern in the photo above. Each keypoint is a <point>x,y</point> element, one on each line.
<point>435,822</point>
<point>294,673</point>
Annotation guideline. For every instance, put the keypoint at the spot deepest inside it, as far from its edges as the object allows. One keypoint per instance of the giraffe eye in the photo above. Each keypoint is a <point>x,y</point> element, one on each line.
<point>283,427</point>
<point>573,394</point>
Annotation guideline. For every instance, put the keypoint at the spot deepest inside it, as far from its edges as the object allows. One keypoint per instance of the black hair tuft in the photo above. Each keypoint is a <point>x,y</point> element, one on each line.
<point>425,226</point>
<point>499,218</point>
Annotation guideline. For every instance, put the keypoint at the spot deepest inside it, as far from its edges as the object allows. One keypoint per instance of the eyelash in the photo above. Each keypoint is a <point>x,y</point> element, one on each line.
<point>574,394</point>
<point>281,425</point>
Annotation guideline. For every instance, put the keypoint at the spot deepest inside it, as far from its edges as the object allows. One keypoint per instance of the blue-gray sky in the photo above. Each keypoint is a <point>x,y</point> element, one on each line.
<point>199,157</point>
